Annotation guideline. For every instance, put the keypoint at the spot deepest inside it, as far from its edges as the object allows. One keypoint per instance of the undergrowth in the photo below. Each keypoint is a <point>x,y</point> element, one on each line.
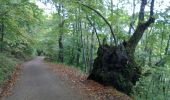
<point>7,66</point>
<point>156,86</point>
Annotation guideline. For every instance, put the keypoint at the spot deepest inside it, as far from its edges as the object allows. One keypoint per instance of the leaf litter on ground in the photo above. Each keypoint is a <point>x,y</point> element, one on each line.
<point>76,78</point>
<point>91,88</point>
<point>9,83</point>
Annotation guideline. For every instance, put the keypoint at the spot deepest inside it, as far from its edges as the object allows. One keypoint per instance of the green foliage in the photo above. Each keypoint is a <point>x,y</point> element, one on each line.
<point>19,22</point>
<point>27,30</point>
<point>18,19</point>
<point>7,66</point>
<point>155,86</point>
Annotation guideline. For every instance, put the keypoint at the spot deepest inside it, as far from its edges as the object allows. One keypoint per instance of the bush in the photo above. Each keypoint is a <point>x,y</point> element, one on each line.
<point>7,66</point>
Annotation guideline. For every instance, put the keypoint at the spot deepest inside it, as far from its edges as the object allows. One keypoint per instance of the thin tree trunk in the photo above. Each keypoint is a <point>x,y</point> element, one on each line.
<point>94,29</point>
<point>72,54</point>
<point>82,41</point>
<point>105,20</point>
<point>60,40</point>
<point>111,10</point>
<point>2,36</point>
<point>161,44</point>
<point>91,51</point>
<point>87,41</point>
<point>167,46</point>
<point>78,38</point>
<point>162,61</point>
<point>61,48</point>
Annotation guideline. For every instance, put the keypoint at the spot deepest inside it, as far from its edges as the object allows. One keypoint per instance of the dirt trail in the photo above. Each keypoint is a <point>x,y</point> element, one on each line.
<point>37,82</point>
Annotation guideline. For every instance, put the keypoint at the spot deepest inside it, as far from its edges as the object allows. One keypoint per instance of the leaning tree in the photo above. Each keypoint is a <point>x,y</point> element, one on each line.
<point>115,65</point>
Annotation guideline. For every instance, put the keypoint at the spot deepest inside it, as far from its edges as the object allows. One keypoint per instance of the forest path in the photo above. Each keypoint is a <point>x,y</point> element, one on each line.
<point>38,82</point>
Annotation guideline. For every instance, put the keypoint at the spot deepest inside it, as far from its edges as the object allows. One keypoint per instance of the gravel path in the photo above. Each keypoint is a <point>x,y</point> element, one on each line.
<point>37,82</point>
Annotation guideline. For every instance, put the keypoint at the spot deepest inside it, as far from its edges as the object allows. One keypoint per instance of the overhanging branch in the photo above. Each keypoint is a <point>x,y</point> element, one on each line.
<point>98,13</point>
<point>94,28</point>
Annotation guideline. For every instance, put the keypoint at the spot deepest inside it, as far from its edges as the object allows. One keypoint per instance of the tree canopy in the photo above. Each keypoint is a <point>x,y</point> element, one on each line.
<point>122,43</point>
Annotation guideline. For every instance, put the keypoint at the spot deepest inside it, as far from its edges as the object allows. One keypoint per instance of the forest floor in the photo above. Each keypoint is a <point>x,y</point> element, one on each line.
<point>39,80</point>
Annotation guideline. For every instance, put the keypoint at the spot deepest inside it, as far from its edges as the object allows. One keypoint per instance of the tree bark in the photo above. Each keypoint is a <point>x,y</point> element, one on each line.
<point>91,51</point>
<point>61,53</point>
<point>141,27</point>
<point>78,36</point>
<point>167,46</point>
<point>82,44</point>
<point>2,36</point>
<point>60,40</point>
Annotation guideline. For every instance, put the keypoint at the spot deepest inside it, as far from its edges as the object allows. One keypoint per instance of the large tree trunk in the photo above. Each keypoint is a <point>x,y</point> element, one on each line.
<point>115,65</point>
